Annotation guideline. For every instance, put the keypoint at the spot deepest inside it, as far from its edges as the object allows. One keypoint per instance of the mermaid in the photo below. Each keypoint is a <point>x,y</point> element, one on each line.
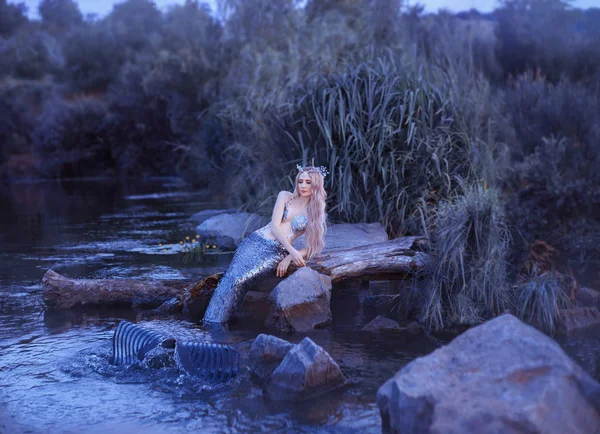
<point>269,249</point>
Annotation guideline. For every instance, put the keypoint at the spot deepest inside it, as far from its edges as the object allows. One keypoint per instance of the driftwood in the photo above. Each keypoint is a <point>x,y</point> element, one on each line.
<point>396,259</point>
<point>61,292</point>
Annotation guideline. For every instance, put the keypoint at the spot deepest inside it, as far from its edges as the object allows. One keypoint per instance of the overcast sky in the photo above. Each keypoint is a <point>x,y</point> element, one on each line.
<point>102,7</point>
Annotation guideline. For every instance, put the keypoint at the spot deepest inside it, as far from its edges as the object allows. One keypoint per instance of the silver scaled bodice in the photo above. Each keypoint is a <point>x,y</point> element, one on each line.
<point>256,257</point>
<point>297,226</point>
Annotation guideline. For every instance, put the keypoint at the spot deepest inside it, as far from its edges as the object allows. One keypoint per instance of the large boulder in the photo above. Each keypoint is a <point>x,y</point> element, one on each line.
<point>301,302</point>
<point>208,213</point>
<point>502,376</point>
<point>227,230</point>
<point>306,371</point>
<point>345,235</point>
<point>266,353</point>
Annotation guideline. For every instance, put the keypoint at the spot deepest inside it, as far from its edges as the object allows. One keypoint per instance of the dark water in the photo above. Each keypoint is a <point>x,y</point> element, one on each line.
<point>54,370</point>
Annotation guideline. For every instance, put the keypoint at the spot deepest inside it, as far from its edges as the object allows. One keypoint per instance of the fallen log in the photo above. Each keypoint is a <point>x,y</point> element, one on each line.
<point>60,292</point>
<point>395,259</point>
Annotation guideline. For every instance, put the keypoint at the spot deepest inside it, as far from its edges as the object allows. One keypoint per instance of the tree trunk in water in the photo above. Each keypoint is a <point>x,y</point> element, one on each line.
<point>61,292</point>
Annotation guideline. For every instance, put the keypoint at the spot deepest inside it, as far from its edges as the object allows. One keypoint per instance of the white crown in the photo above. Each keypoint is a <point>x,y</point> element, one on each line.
<point>309,169</point>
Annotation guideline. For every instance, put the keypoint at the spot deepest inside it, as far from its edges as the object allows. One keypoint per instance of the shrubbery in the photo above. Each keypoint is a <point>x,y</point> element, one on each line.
<point>70,139</point>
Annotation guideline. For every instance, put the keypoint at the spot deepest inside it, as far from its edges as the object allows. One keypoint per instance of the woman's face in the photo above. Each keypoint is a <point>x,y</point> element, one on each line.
<point>304,185</point>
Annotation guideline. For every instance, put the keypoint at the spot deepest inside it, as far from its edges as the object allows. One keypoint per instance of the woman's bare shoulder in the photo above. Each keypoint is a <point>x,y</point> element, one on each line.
<point>284,195</point>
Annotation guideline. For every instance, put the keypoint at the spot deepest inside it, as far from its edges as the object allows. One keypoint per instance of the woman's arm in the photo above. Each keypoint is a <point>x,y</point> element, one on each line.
<point>285,263</point>
<point>282,197</point>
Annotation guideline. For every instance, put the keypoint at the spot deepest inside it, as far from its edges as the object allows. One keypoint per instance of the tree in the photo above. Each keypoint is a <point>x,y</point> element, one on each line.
<point>60,14</point>
<point>12,17</point>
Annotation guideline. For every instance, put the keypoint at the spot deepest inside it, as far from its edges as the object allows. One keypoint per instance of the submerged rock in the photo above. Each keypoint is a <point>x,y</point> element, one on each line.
<point>266,354</point>
<point>502,376</point>
<point>227,230</point>
<point>381,323</point>
<point>301,302</point>
<point>306,371</point>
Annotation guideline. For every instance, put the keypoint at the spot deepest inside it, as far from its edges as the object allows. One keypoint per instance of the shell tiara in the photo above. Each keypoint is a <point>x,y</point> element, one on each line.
<point>309,169</point>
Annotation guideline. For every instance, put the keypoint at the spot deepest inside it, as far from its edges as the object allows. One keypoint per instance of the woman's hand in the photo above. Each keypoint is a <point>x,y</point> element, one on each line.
<point>297,258</point>
<point>283,266</point>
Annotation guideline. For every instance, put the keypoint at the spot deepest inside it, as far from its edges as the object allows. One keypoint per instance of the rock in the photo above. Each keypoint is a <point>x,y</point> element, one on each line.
<point>227,230</point>
<point>159,357</point>
<point>197,298</point>
<point>306,371</point>
<point>301,302</point>
<point>255,305</point>
<point>502,376</point>
<point>415,328</point>
<point>381,323</point>
<point>208,213</point>
<point>344,235</point>
<point>172,306</point>
<point>577,319</point>
<point>266,354</point>
<point>588,297</point>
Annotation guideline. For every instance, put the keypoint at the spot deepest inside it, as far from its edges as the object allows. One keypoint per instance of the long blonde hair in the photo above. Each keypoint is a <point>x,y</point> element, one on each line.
<point>316,226</point>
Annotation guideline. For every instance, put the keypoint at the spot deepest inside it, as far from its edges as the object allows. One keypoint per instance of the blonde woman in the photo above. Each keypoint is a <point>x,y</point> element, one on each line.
<point>269,249</point>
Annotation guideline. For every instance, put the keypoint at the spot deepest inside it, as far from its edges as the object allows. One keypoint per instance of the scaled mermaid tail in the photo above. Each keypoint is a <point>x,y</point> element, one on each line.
<point>255,257</point>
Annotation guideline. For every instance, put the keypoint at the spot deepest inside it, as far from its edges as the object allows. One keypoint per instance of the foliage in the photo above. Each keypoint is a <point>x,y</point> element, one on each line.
<point>69,137</point>
<point>549,36</point>
<point>93,58</point>
<point>391,137</point>
<point>17,102</point>
<point>465,279</point>
<point>60,14</point>
<point>12,17</point>
<point>538,300</point>
<point>552,187</point>
<point>554,195</point>
<point>30,55</point>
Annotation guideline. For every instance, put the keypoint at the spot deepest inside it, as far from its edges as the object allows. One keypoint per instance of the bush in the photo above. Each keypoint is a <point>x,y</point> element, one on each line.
<point>60,14</point>
<point>548,36</point>
<point>30,54</point>
<point>69,138</point>
<point>12,16</point>
<point>538,300</point>
<point>138,128</point>
<point>93,58</point>
<point>18,103</point>
<point>537,109</point>
<point>391,137</point>
<point>554,195</point>
<point>465,280</point>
